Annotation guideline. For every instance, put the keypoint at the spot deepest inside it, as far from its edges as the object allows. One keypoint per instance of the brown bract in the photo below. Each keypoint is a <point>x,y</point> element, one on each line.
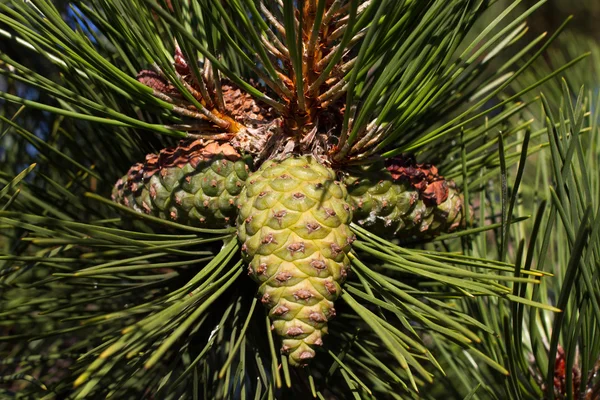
<point>243,107</point>
<point>155,81</point>
<point>560,377</point>
<point>192,152</point>
<point>219,104</point>
<point>432,187</point>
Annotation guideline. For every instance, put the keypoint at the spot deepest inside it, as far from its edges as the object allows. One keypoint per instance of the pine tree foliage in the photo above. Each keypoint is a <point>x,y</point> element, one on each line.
<point>99,301</point>
<point>551,355</point>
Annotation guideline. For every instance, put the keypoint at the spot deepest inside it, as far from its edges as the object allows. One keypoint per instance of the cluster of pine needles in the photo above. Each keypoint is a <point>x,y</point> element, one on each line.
<point>99,301</point>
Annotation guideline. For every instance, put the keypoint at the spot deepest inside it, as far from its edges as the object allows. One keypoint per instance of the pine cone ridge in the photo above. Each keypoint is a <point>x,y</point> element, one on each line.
<point>294,228</point>
<point>192,183</point>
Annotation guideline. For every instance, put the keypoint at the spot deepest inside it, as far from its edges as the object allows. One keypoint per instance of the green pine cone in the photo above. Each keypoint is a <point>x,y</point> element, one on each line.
<point>392,207</point>
<point>190,184</point>
<point>294,227</point>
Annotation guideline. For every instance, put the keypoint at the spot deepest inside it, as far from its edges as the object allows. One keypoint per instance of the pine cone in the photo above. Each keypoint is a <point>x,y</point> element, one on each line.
<point>403,199</point>
<point>293,224</point>
<point>192,184</point>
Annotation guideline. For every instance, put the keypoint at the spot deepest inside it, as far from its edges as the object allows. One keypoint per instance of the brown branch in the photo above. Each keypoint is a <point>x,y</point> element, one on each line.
<point>216,136</point>
<point>334,92</point>
<point>215,84</point>
<point>203,95</point>
<point>281,90</point>
<point>343,145</point>
<point>272,20</point>
<point>370,138</point>
<point>197,95</point>
<point>182,108</point>
<point>274,50</point>
<point>331,12</point>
